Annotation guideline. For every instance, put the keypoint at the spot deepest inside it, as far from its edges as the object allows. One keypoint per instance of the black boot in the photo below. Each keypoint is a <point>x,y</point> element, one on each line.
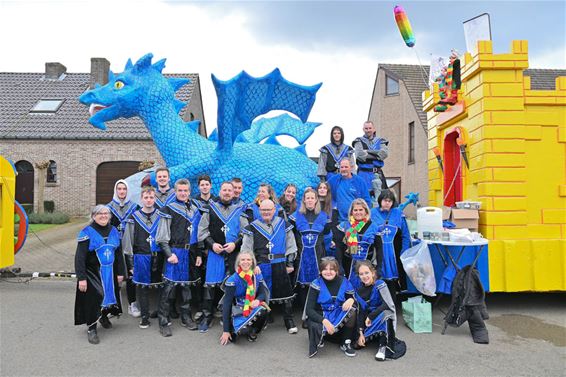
<point>187,321</point>
<point>205,323</point>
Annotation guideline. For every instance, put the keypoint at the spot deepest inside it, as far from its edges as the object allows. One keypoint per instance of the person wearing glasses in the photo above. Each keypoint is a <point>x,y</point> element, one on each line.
<point>357,239</point>
<point>330,309</point>
<point>99,265</point>
<point>272,241</point>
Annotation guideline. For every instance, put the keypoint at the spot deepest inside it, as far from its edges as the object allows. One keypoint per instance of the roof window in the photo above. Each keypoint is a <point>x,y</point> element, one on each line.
<point>47,106</point>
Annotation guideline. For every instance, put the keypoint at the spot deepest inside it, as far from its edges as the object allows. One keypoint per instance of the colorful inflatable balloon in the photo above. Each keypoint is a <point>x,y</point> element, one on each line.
<point>404,26</point>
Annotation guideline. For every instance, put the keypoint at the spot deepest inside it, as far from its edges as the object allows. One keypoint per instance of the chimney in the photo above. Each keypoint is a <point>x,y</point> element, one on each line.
<point>99,68</point>
<point>54,70</point>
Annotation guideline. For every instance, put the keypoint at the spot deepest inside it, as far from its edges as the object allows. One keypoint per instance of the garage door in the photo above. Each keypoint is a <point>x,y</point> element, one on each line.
<point>108,173</point>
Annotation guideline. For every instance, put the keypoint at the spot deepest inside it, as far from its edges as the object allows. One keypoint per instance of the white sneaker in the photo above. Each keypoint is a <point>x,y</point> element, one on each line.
<point>293,330</point>
<point>133,310</point>
<point>380,355</point>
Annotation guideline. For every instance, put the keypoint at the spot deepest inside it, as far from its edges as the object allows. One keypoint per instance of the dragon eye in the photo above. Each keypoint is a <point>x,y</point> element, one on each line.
<point>118,85</point>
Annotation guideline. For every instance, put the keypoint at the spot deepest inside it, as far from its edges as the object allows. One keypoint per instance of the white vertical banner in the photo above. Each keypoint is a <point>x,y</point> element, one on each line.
<point>477,29</point>
<point>437,63</point>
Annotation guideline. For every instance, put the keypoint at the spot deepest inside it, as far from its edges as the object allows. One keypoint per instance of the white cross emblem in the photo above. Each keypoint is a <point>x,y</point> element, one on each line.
<point>150,239</point>
<point>386,231</point>
<point>190,228</point>
<point>270,246</point>
<point>310,237</point>
<point>120,227</point>
<point>107,254</point>
<point>225,229</point>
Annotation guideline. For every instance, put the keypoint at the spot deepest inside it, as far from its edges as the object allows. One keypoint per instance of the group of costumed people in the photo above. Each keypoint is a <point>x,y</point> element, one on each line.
<point>221,257</point>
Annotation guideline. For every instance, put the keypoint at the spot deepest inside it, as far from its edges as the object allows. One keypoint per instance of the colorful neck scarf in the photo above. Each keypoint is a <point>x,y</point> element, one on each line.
<point>250,290</point>
<point>351,237</point>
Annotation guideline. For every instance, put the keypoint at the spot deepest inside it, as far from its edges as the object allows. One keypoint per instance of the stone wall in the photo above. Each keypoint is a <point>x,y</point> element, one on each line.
<point>77,160</point>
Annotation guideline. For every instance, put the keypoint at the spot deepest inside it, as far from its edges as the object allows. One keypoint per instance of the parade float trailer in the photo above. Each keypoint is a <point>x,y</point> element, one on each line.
<point>513,137</point>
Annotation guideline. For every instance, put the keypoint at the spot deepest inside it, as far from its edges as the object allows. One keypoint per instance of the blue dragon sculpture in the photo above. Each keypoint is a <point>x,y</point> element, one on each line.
<point>142,90</point>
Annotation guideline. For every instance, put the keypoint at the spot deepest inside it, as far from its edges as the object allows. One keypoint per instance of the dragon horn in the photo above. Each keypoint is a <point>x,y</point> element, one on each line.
<point>129,65</point>
<point>159,65</point>
<point>177,83</point>
<point>144,62</point>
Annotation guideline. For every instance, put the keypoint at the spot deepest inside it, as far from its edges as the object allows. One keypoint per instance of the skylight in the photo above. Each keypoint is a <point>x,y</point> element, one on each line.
<point>47,106</point>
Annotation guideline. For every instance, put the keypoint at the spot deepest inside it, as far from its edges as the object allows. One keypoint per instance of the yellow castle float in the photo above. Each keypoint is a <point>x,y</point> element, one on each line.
<point>514,138</point>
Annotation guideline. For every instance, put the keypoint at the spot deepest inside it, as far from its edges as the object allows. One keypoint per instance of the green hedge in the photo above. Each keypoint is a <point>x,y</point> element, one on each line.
<point>48,218</point>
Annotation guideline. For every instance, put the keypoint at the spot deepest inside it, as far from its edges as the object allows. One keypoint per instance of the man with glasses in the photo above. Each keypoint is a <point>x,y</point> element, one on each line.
<point>271,240</point>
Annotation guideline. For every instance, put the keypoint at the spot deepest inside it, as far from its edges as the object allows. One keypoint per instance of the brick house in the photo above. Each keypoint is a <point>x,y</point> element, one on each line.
<point>396,109</point>
<point>41,119</point>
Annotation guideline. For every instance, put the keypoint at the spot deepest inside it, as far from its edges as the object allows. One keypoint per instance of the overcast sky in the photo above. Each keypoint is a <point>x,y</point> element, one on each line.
<point>336,43</point>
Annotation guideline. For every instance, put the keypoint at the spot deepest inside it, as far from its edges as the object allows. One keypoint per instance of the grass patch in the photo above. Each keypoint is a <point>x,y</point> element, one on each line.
<point>39,227</point>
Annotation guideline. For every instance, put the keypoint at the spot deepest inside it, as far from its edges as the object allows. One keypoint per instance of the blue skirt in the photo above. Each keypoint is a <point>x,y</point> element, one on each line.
<point>215,269</point>
<point>240,321</point>
<point>308,267</point>
<point>378,325</point>
<point>389,267</point>
<point>337,317</point>
<point>179,273</point>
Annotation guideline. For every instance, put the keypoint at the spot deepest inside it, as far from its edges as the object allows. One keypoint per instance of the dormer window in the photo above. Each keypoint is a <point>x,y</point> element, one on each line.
<point>391,86</point>
<point>47,106</point>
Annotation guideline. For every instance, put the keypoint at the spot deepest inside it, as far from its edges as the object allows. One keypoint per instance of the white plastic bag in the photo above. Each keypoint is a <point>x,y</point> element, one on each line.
<point>418,266</point>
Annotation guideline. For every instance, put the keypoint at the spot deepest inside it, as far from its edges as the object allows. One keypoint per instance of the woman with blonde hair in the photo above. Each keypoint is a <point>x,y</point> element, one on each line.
<point>265,191</point>
<point>244,305</point>
<point>310,224</point>
<point>357,239</point>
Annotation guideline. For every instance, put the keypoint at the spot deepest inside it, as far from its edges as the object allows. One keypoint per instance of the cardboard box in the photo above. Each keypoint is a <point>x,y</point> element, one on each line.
<point>465,218</point>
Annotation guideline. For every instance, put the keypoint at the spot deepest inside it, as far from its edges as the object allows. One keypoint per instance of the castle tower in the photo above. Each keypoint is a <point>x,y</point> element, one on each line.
<point>515,141</point>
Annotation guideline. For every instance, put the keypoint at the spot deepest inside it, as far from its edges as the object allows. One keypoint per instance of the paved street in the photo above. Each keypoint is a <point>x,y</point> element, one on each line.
<point>527,332</point>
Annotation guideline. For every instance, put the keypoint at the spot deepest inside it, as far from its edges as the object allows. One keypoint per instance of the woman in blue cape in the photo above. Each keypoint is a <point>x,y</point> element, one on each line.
<point>265,191</point>
<point>326,205</point>
<point>331,154</point>
<point>329,310</point>
<point>245,301</point>
<point>393,241</point>
<point>376,313</point>
<point>357,239</point>
<point>310,224</point>
<point>99,265</point>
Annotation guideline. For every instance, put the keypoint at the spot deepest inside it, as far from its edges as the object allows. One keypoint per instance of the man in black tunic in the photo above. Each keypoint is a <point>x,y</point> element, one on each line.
<point>144,259</point>
<point>164,193</point>
<point>219,230</point>
<point>176,235</point>
<point>271,240</point>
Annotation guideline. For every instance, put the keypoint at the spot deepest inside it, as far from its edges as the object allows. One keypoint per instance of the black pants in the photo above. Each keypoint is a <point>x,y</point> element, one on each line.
<point>167,292</point>
<point>130,291</point>
<point>344,333</point>
<point>142,294</point>
<point>211,298</point>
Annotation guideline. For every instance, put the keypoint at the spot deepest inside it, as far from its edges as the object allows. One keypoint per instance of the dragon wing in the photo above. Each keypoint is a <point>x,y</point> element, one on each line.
<point>243,98</point>
<point>283,124</point>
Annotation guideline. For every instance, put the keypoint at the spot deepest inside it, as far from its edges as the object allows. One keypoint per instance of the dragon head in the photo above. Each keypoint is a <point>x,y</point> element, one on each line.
<point>133,92</point>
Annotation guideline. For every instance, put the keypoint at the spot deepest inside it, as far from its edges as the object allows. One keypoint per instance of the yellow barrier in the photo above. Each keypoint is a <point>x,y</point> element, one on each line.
<point>7,192</point>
